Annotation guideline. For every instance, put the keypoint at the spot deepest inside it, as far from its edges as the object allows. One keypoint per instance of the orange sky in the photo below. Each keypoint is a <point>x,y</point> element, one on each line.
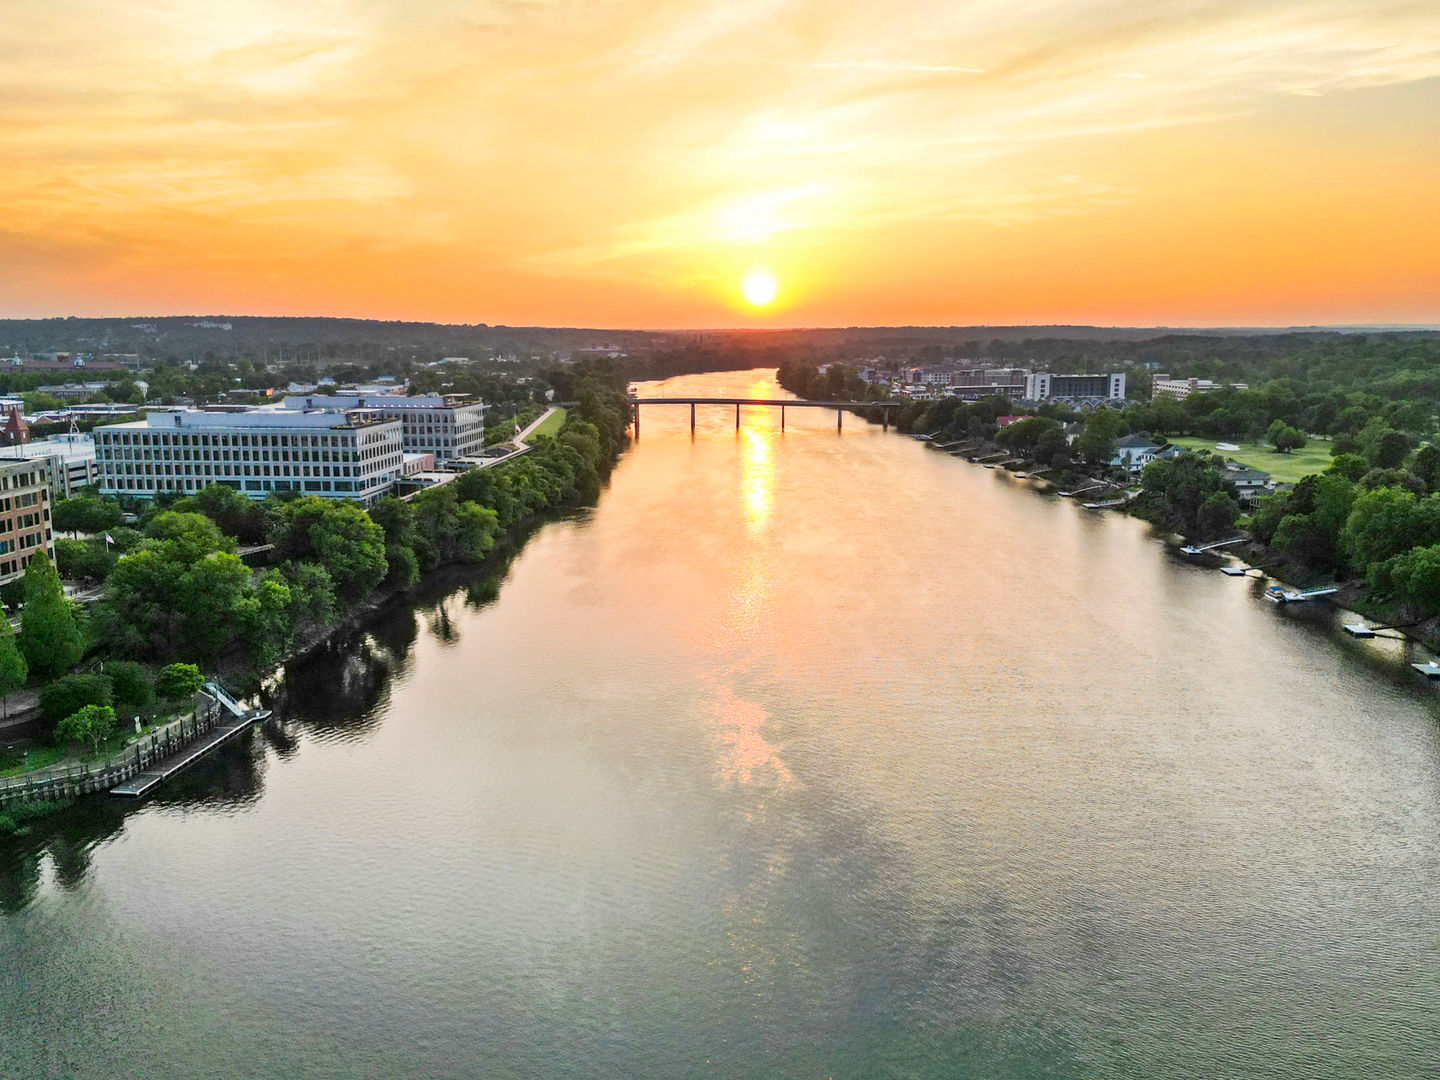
<point>616,163</point>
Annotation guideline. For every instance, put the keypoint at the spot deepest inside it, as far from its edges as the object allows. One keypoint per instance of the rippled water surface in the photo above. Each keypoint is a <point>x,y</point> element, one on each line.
<point>801,755</point>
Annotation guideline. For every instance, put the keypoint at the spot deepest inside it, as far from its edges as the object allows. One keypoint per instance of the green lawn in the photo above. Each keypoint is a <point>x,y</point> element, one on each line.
<point>553,423</point>
<point>1313,457</point>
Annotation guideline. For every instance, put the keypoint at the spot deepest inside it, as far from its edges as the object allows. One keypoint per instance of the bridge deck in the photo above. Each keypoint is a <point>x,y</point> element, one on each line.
<point>787,402</point>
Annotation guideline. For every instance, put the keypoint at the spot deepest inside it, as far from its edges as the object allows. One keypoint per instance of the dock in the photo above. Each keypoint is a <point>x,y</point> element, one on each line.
<point>1365,630</point>
<point>1282,595</point>
<point>1192,549</point>
<point>141,784</point>
<point>1430,669</point>
<point>1238,571</point>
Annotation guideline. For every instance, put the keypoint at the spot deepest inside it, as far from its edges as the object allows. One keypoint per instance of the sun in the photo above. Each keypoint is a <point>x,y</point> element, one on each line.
<point>760,287</point>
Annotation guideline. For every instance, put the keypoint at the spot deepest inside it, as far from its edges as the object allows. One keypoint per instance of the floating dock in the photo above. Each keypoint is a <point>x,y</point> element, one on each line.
<point>1430,669</point>
<point>1237,571</point>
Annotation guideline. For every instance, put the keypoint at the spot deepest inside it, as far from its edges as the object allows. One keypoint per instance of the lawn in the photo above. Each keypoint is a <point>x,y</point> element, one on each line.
<point>1313,457</point>
<point>552,425</point>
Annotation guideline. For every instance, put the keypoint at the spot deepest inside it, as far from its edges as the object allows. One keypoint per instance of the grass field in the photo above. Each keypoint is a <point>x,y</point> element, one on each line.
<point>553,423</point>
<point>1313,457</point>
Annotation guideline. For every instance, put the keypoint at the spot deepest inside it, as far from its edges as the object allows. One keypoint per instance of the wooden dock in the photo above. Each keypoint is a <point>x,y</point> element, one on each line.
<point>141,784</point>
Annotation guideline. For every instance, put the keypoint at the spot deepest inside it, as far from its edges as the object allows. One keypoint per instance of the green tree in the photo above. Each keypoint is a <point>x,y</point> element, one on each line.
<point>86,514</point>
<point>1284,438</point>
<point>340,536</point>
<point>131,684</point>
<point>13,669</point>
<point>50,636</point>
<point>1385,522</point>
<point>1391,450</point>
<point>234,514</point>
<point>92,724</point>
<point>70,693</point>
<point>1426,465</point>
<point>1096,444</point>
<point>1414,576</point>
<point>177,681</point>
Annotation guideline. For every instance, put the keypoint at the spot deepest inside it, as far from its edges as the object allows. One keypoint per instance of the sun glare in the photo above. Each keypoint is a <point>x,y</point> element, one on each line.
<point>760,287</point>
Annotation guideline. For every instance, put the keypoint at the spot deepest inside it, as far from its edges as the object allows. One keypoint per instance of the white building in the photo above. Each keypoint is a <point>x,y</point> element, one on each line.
<point>340,454</point>
<point>69,461</point>
<point>449,426</point>
<point>1180,389</point>
<point>1044,385</point>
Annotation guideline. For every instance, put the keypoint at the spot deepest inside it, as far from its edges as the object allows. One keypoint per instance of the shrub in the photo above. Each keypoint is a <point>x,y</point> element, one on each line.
<point>71,693</point>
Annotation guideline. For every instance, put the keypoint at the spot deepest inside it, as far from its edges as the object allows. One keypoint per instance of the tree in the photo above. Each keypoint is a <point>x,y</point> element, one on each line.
<point>1096,443</point>
<point>70,693</point>
<point>90,559</point>
<point>86,514</point>
<point>337,534</point>
<point>233,513</point>
<point>1024,435</point>
<point>131,684</point>
<point>177,681</point>
<point>50,637</point>
<point>13,669</point>
<point>1426,465</point>
<point>173,598</point>
<point>92,724</point>
<point>1415,576</point>
<point>1391,450</point>
<point>1386,522</point>
<point>1284,437</point>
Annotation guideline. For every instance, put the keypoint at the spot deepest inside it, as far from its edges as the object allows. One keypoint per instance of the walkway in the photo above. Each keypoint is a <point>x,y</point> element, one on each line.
<point>521,448</point>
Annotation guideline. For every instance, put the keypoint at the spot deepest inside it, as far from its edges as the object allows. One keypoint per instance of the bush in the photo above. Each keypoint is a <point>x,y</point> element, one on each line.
<point>131,685</point>
<point>71,693</point>
<point>178,681</point>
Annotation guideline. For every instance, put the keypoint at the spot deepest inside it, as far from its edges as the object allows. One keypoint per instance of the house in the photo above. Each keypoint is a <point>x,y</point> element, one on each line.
<point>1249,484</point>
<point>1133,453</point>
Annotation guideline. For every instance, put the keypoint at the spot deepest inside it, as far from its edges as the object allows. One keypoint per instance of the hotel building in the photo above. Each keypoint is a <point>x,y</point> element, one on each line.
<point>349,454</point>
<point>1043,386</point>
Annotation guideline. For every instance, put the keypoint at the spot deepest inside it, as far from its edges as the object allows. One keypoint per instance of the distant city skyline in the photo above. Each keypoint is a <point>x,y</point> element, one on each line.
<point>677,164</point>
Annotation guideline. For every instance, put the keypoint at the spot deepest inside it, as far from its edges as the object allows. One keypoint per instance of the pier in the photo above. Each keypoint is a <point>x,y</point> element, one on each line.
<point>141,784</point>
<point>1192,549</point>
<point>1282,595</point>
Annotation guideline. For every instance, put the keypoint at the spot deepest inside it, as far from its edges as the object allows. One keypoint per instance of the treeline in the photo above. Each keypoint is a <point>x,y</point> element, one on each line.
<point>175,589</point>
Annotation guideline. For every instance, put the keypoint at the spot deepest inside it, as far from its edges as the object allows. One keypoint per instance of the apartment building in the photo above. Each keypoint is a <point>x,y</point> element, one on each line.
<point>24,516</point>
<point>1044,385</point>
<point>341,454</point>
<point>449,426</point>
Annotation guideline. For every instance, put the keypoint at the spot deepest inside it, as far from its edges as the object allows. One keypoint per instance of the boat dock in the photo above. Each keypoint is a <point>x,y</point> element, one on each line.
<point>1430,669</point>
<point>141,784</point>
<point>1281,595</point>
<point>1191,549</point>
<point>1365,630</point>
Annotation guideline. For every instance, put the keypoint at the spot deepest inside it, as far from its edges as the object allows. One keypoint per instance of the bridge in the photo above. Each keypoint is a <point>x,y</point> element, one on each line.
<point>774,403</point>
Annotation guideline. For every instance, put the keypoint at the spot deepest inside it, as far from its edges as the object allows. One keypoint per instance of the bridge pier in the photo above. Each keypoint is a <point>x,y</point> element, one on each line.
<point>884,419</point>
<point>782,419</point>
<point>839,420</point>
<point>636,410</point>
<point>737,416</point>
<point>692,418</point>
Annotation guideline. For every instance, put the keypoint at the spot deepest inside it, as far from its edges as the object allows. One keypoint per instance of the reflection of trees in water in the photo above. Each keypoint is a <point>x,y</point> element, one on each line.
<point>335,692</point>
<point>229,778</point>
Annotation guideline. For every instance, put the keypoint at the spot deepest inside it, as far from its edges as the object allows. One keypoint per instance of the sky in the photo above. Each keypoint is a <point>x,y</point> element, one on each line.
<point>627,164</point>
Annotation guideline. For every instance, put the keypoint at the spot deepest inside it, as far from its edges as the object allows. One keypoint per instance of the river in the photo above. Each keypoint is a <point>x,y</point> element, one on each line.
<point>800,755</point>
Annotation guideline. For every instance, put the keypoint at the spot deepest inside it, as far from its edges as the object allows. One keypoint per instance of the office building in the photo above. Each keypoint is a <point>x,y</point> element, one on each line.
<point>343,454</point>
<point>69,461</point>
<point>448,426</point>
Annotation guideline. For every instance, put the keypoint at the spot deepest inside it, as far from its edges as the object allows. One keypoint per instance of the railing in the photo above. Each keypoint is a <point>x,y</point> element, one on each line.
<point>68,781</point>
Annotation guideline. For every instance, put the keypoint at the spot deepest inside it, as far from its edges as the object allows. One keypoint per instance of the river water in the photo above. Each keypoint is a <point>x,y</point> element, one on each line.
<point>800,755</point>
